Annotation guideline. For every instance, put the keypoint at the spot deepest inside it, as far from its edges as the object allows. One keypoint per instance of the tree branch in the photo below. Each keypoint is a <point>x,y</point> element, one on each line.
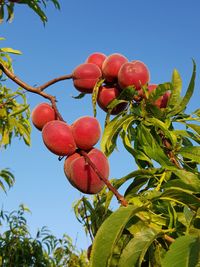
<point>40,91</point>
<point>37,90</point>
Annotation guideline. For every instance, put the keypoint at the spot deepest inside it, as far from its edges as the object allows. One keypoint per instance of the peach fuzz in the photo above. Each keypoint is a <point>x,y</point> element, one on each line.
<point>58,138</point>
<point>81,175</point>
<point>97,59</point>
<point>111,66</point>
<point>85,77</point>
<point>134,73</point>
<point>42,114</point>
<point>86,132</point>
<point>106,95</point>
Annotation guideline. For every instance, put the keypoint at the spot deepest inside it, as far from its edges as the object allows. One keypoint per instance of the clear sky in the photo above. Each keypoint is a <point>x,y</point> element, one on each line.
<point>163,34</point>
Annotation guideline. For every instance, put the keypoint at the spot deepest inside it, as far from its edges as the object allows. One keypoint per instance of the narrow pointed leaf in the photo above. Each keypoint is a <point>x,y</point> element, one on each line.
<point>108,235</point>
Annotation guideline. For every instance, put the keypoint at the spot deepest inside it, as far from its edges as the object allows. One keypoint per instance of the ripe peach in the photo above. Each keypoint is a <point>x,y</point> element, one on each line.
<point>81,175</point>
<point>133,73</point>
<point>86,131</point>
<point>111,66</point>
<point>85,77</point>
<point>96,58</point>
<point>58,138</point>
<point>106,95</point>
<point>42,114</point>
<point>161,102</point>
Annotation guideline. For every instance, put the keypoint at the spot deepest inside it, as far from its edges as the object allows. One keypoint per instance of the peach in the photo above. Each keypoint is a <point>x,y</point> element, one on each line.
<point>133,73</point>
<point>58,138</point>
<point>111,66</point>
<point>106,95</point>
<point>85,77</point>
<point>86,131</point>
<point>42,114</point>
<point>81,175</point>
<point>96,58</point>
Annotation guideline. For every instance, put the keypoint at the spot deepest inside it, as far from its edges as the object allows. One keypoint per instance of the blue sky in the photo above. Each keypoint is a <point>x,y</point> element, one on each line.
<point>163,34</point>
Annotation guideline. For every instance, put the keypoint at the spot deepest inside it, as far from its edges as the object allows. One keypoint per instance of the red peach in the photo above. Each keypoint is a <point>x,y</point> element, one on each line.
<point>111,66</point>
<point>42,114</point>
<point>96,58</point>
<point>106,95</point>
<point>58,138</point>
<point>85,77</point>
<point>86,131</point>
<point>81,175</point>
<point>133,73</point>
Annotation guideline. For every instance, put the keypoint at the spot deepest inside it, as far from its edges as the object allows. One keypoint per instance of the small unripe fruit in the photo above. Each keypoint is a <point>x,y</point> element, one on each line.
<point>106,95</point>
<point>42,114</point>
<point>85,77</point>
<point>133,73</point>
<point>58,138</point>
<point>111,66</point>
<point>97,59</point>
<point>82,176</point>
<point>86,131</point>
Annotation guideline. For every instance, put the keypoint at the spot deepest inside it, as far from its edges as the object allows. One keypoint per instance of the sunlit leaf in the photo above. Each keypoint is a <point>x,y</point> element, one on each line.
<point>184,252</point>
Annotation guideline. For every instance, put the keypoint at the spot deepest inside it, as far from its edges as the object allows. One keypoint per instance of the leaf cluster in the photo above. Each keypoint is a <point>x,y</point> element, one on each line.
<point>19,248</point>
<point>160,226</point>
<point>37,6</point>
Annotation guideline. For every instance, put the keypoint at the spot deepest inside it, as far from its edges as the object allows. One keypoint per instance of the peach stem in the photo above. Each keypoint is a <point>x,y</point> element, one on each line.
<point>119,197</point>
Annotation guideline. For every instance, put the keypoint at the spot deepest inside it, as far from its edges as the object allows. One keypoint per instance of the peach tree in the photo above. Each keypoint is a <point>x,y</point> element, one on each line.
<point>157,222</point>
<point>158,219</point>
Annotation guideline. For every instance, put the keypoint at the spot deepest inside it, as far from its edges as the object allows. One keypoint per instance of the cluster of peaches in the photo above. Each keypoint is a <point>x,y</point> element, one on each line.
<point>118,73</point>
<point>68,140</point>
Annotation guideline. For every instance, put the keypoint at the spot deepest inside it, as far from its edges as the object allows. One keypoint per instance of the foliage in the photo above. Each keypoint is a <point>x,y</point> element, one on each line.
<point>19,248</point>
<point>14,114</point>
<point>6,178</point>
<point>161,224</point>
<point>36,5</point>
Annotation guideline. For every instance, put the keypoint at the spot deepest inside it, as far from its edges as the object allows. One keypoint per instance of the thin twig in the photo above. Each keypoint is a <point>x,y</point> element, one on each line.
<point>120,198</point>
<point>169,238</point>
<point>37,90</point>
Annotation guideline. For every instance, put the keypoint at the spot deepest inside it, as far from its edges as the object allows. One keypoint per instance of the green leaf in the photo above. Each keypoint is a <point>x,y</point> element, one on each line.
<point>81,95</point>
<point>134,252</point>
<point>188,178</point>
<point>95,95</point>
<point>184,252</point>
<point>10,50</point>
<point>175,96</point>
<point>36,8</point>
<point>10,9</point>
<point>195,127</point>
<point>1,13</point>
<point>180,195</point>
<point>182,105</point>
<point>164,127</point>
<point>111,132</point>
<point>109,233</point>
<point>191,152</point>
<point>19,110</point>
<point>151,148</point>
